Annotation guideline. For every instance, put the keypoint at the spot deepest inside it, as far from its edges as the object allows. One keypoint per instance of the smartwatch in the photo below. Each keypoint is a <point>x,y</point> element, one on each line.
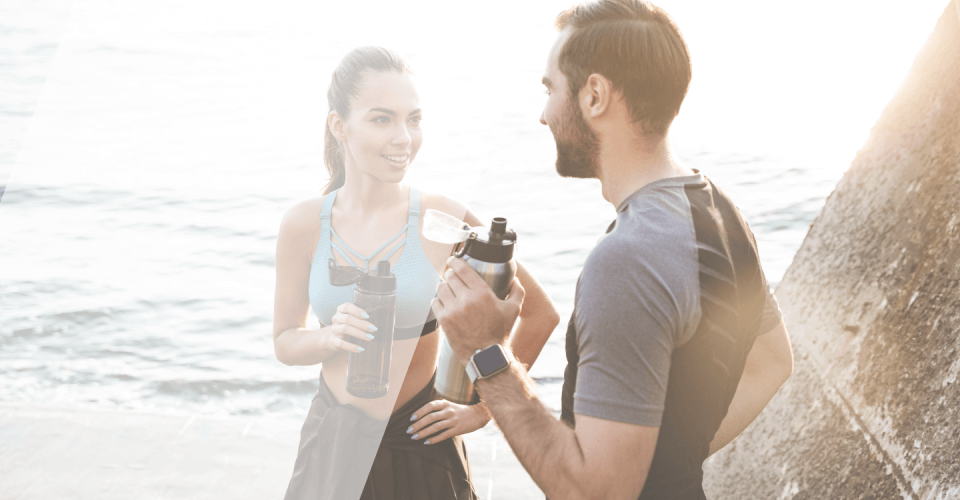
<point>488,362</point>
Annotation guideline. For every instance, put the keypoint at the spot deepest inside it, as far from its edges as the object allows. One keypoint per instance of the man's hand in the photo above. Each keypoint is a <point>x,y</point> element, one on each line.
<point>473,317</point>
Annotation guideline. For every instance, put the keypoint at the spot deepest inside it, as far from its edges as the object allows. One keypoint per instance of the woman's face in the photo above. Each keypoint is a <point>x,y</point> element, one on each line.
<point>382,135</point>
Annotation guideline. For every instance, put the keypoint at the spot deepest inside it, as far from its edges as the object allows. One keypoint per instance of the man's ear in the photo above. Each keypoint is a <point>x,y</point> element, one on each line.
<point>336,126</point>
<point>596,96</point>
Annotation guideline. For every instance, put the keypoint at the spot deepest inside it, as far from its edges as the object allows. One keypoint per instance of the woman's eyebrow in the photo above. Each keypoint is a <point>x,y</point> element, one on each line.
<point>391,112</point>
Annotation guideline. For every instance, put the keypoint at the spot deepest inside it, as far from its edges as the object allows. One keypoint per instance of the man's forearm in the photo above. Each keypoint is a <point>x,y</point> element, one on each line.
<point>769,364</point>
<point>753,394</point>
<point>548,449</point>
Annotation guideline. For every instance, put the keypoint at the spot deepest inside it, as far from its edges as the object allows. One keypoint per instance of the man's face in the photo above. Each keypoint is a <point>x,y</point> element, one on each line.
<point>577,146</point>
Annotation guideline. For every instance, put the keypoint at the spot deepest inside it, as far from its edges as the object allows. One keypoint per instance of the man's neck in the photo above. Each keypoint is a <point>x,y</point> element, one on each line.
<point>626,164</point>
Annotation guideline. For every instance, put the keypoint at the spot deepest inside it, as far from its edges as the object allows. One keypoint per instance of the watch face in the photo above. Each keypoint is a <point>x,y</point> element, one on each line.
<point>489,360</point>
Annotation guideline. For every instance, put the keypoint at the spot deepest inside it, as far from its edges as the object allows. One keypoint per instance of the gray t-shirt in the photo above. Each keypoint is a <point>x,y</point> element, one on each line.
<point>638,299</point>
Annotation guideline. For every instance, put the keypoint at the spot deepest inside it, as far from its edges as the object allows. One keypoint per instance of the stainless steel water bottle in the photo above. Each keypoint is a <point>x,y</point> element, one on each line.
<point>491,256</point>
<point>368,372</point>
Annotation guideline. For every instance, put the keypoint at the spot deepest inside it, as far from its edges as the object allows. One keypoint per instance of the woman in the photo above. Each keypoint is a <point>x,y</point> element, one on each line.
<point>372,136</point>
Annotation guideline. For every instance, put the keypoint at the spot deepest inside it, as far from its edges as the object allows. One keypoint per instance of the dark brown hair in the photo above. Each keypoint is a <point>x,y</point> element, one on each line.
<point>638,47</point>
<point>345,86</point>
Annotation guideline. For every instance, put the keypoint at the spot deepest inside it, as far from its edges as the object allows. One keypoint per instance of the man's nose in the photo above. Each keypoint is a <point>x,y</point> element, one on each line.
<point>543,120</point>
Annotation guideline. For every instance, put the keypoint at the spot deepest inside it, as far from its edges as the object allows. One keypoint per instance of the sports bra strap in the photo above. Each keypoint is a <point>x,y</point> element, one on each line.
<point>413,220</point>
<point>338,245</point>
<point>328,204</point>
<point>414,202</point>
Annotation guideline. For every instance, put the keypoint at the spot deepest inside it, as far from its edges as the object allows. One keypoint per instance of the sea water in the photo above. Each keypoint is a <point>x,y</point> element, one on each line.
<point>151,149</point>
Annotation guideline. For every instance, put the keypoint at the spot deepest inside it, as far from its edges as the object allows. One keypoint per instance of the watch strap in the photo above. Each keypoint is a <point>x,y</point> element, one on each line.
<point>472,371</point>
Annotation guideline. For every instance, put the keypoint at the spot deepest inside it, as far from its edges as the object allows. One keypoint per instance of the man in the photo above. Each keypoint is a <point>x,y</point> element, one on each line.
<point>675,344</point>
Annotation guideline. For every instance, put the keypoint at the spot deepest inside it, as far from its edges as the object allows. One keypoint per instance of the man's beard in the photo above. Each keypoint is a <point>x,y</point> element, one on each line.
<point>577,146</point>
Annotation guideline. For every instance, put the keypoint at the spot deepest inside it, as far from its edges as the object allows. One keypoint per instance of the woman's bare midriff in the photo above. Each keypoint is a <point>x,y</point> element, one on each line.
<point>411,368</point>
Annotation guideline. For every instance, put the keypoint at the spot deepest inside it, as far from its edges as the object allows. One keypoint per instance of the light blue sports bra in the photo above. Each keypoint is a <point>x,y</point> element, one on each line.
<point>417,280</point>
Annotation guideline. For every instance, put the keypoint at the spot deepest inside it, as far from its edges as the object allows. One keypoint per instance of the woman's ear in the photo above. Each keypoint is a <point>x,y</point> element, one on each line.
<point>336,126</point>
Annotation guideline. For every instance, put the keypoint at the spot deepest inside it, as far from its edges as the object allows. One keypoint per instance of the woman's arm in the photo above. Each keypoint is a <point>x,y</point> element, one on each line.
<point>538,319</point>
<point>293,343</point>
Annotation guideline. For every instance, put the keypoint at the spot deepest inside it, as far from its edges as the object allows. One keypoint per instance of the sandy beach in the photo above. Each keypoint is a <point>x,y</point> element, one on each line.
<point>66,453</point>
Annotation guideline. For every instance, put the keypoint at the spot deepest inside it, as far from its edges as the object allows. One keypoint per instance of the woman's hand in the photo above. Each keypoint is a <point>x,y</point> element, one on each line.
<point>449,419</point>
<point>350,321</point>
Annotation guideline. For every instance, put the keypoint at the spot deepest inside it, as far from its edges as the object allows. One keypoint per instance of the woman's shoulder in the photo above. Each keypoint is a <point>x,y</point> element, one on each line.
<point>304,217</point>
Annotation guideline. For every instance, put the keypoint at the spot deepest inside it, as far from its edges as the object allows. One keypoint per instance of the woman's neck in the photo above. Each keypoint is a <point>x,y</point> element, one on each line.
<point>367,195</point>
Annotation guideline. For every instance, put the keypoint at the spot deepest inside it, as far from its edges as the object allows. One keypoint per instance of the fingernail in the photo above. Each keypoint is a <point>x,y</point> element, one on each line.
<point>409,429</point>
<point>370,336</point>
<point>373,328</point>
<point>413,417</point>
<point>360,349</point>
<point>426,442</point>
<point>415,436</point>
<point>365,315</point>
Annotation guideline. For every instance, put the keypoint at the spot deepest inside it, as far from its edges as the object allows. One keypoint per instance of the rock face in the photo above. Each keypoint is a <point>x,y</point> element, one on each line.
<point>872,304</point>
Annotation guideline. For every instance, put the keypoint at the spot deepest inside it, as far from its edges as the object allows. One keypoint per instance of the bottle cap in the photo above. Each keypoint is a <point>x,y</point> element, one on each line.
<point>497,245</point>
<point>381,280</point>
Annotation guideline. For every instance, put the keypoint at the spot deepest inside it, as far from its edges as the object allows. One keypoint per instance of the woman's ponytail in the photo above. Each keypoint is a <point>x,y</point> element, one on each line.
<point>333,158</point>
<point>345,86</point>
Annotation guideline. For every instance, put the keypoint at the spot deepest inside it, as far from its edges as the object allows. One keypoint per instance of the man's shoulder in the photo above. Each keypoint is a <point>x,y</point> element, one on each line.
<point>652,230</point>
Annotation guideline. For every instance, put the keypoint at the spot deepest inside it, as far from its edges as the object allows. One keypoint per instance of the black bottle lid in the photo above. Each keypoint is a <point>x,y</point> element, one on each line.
<point>496,246</point>
<point>379,281</point>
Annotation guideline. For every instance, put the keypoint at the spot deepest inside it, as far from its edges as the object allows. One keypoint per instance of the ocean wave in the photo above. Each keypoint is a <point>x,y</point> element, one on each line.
<point>195,388</point>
